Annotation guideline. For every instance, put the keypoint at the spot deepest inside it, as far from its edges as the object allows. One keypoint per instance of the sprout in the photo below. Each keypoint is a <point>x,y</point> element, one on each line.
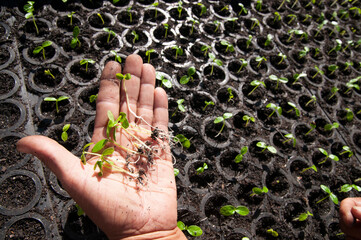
<point>164,81</point>
<point>283,2</point>
<point>249,40</point>
<point>185,79</point>
<point>117,58</point>
<point>255,23</point>
<point>136,36</point>
<point>147,53</point>
<point>272,232</point>
<point>292,17</point>
<point>256,84</point>
<point>313,126</point>
<point>319,71</point>
<point>93,98</point>
<point>70,15</point>
<point>229,210</point>
<point>56,100</point>
<point>329,127</point>
<point>275,108</point>
<point>110,33</point>
<point>332,68</point>
<point>297,76</point>
<point>348,64</point>
<point>228,45</point>
<point>248,119</point>
<point>283,57</point>
<point>202,168</point>
<point>193,230</point>
<point>293,108</point>
<point>130,14</point>
<point>347,149</point>
<point>179,9</point>
<point>352,84</point>
<point>336,28</point>
<point>307,16</point>
<point>244,63</point>
<point>303,216</point>
<point>320,26</point>
<point>75,40</point>
<point>349,187</point>
<point>304,52</point>
<point>178,51</point>
<point>203,9</point>
<point>290,138</point>
<point>259,191</point>
<point>331,156</point>
<point>312,167</point>
<point>330,195</point>
<point>207,103</point>
<point>231,96</point>
<point>264,146</point>
<point>268,40</point>
<point>176,171</point>
<point>217,23</point>
<point>313,99</point>
<point>259,59</point>
<point>182,140</point>
<point>281,79</point>
<point>205,49</point>
<point>223,120</point>
<point>155,5</point>
<point>48,73</point>
<point>64,134</point>
<point>42,48</point>
<point>166,26</point>
<point>240,156</point>
<point>180,107</point>
<point>29,8</point>
<point>259,5</point>
<point>193,23</point>
<point>86,62</point>
<point>277,17</point>
<point>243,9</point>
<point>338,46</point>
<point>213,58</point>
<point>101,18</point>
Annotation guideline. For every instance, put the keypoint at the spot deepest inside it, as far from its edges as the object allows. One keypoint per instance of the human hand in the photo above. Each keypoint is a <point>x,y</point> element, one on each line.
<point>121,206</point>
<point>350,218</point>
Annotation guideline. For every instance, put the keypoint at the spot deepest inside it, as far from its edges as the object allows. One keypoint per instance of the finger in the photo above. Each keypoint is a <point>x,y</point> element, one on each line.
<point>160,117</point>
<point>133,65</point>
<point>108,99</point>
<point>146,95</point>
<point>349,213</point>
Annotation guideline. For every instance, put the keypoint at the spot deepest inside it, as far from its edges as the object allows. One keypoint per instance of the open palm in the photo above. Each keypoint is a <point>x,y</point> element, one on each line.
<point>117,203</point>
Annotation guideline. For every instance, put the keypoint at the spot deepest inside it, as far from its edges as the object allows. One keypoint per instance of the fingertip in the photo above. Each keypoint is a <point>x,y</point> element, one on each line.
<point>110,70</point>
<point>133,65</point>
<point>161,96</point>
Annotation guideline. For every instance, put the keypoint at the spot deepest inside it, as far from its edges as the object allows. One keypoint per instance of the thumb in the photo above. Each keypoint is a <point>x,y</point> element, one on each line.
<point>58,159</point>
<point>356,212</point>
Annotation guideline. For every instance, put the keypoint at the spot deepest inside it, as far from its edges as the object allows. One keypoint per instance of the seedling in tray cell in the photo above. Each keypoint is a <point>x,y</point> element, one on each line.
<point>320,26</point>
<point>110,32</point>
<point>243,9</point>
<point>313,167</point>
<point>313,126</point>
<point>277,17</point>
<point>348,44</point>
<point>193,230</point>
<point>182,140</point>
<point>336,28</point>
<point>47,72</point>
<point>29,8</point>
<point>93,98</point>
<point>42,48</point>
<point>356,10</point>
<point>329,127</point>
<point>244,63</point>
<point>86,62</point>
<point>307,16</point>
<point>230,94</point>
<point>56,100</point>
<point>64,134</point>
<point>155,5</point>
<point>213,58</point>
<point>268,40</point>
<point>147,53</point>
<point>248,119</point>
<point>256,84</point>
<point>75,40</point>
<point>353,83</point>
<point>292,18</point>
<point>217,23</point>
<point>349,187</point>
<point>166,27</point>
<point>264,146</point>
<point>343,14</point>
<point>101,18</point>
<point>293,108</point>
<point>249,41</point>
<point>330,195</point>
<point>255,23</point>
<point>312,100</point>
<point>272,232</point>
<point>347,65</point>
<point>233,20</point>
<point>318,71</point>
<point>283,2</point>
<point>207,104</point>
<point>290,137</point>
<point>336,48</point>
<point>189,77</point>
<point>358,43</point>
<point>180,107</point>
<point>259,5</point>
<point>117,58</point>
<point>193,23</point>
<point>240,156</point>
<point>332,68</point>
<point>228,46</point>
<point>135,36</point>
<point>260,59</point>
<point>259,191</point>
<point>70,15</point>
<point>229,210</point>
<point>202,168</point>
<point>205,49</point>
<point>282,56</point>
<point>303,216</point>
<point>178,51</point>
<point>347,150</point>
<point>203,9</point>
<point>281,79</point>
<point>129,12</point>
<point>275,108</point>
<point>180,9</point>
<point>303,52</point>
<point>223,120</point>
<point>167,83</point>
<point>331,156</point>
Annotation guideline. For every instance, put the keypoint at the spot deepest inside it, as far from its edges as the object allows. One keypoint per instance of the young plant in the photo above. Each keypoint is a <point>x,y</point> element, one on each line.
<point>318,71</point>
<point>86,62</point>
<point>264,146</point>
<point>93,98</point>
<point>353,83</point>
<point>193,230</point>
<point>64,134</point>
<point>213,59</point>
<point>207,104</point>
<point>70,15</point>
<point>312,100</point>
<point>228,46</point>
<point>217,23</point>
<point>155,5</point>
<point>292,17</point>
<point>42,48</point>
<point>135,36</point>
<point>193,23</point>
<point>230,94</point>
<point>293,31</point>
<point>248,119</point>
<point>275,108</point>
<point>56,100</point>
<point>203,9</point>
<point>259,5</point>
<point>166,27</point>
<point>182,140</point>
<point>349,187</point>
<point>233,20</point>
<point>259,191</point>
<point>255,23</point>
<point>332,68</point>
<point>229,210</point>
<point>336,28</point>
<point>260,59</point>
<point>48,73</point>
<point>29,8</point>
<point>240,156</point>
<point>290,137</point>
<point>189,77</point>
<point>256,84</point>
<point>313,126</point>
<point>303,52</point>
<point>282,56</point>
<point>101,18</point>
<point>320,26</point>
<point>281,79</point>
<point>180,107</point>
<point>176,171</point>
<point>268,40</point>
<point>347,65</point>
<point>244,63</point>
<point>205,49</point>
<point>329,127</point>
<point>331,156</point>
<point>223,120</point>
<point>110,32</point>
<point>303,216</point>
<point>148,52</point>
<point>330,195</point>
<point>347,150</point>
<point>249,41</point>
<point>277,17</point>
<point>313,167</point>
<point>202,168</point>
<point>75,40</point>
<point>293,108</point>
<point>180,9</point>
<point>178,51</point>
<point>348,43</point>
<point>167,83</point>
<point>337,48</point>
<point>129,12</point>
<point>243,9</point>
<point>117,58</point>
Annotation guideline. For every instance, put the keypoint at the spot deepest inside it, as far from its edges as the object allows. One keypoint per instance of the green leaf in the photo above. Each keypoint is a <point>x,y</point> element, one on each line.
<point>242,210</point>
<point>64,136</point>
<point>273,77</point>
<point>194,230</point>
<point>346,188</point>
<point>76,32</point>
<point>227,115</point>
<point>323,151</point>
<point>227,210</point>
<point>46,44</point>
<point>326,189</point>
<point>176,172</point>
<point>66,127</point>
<point>184,79</point>
<point>50,99</point>
<point>181,225</point>
<point>73,42</point>
<point>257,190</point>
<point>37,49</point>
<point>218,119</point>
<point>167,83</point>
<point>29,15</point>
<point>61,98</point>
<point>265,189</point>
<point>302,217</point>
<point>271,149</point>
<point>108,151</point>
<point>191,71</point>
<point>244,150</point>
<point>334,198</point>
<point>238,158</point>
<point>261,144</point>
<point>99,145</point>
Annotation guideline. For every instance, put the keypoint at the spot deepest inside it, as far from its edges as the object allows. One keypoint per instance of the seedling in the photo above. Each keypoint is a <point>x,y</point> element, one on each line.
<point>347,150</point>
<point>336,27</point>
<point>348,43</point>
<point>182,140</point>
<point>86,62</point>
<point>272,232</point>
<point>228,46</point>
<point>303,216</point>
<point>283,57</point>
<point>176,171</point>
<point>180,9</point>
<point>203,9</point>
<point>318,71</point>
<point>240,156</point>
<point>307,16</point>
<point>277,17</point>
<point>207,103</point>
<point>189,77</point>
<point>56,100</point>
<point>275,108</point>
<point>29,8</point>
<point>292,17</point>
<point>193,23</point>
<point>244,63</point>
<point>256,84</point>
<point>248,119</point>
<point>347,65</point>
<point>178,51</point>
<point>264,146</point>
<point>255,23</point>
<point>344,14</point>
<point>259,5</point>
<point>223,120</point>
<point>167,83</point>
<point>332,68</point>
<point>155,5</point>
<point>283,2</point>
<point>331,156</point>
<point>110,33</point>
<point>193,230</point>
<point>313,167</point>
<point>249,41</point>
<point>353,83</point>
<point>317,51</point>
<point>337,48</point>
<point>213,58</point>
<point>180,107</point>
<point>294,108</point>
<point>129,12</point>
<point>205,49</point>
<point>64,134</point>
<point>293,31</point>
<point>229,210</point>
<point>260,59</point>
<point>356,10</point>
<point>47,72</point>
<point>281,79</point>
<point>303,52</point>
<point>117,58</point>
<point>202,168</point>
<point>329,127</point>
<point>334,90</point>
<point>259,191</point>
<point>147,53</point>
<point>243,9</point>
<point>217,23</point>
<point>268,40</point>
<point>225,8</point>
<point>135,36</point>
<point>93,98</point>
<point>42,48</point>
<point>70,15</point>
<point>294,3</point>
<point>313,126</point>
<point>290,137</point>
<point>312,100</point>
<point>358,43</point>
<point>233,20</point>
<point>302,34</point>
<point>75,40</point>
<point>101,18</point>
<point>320,26</point>
<point>330,195</point>
<point>230,94</point>
<point>166,26</point>
<point>349,187</point>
